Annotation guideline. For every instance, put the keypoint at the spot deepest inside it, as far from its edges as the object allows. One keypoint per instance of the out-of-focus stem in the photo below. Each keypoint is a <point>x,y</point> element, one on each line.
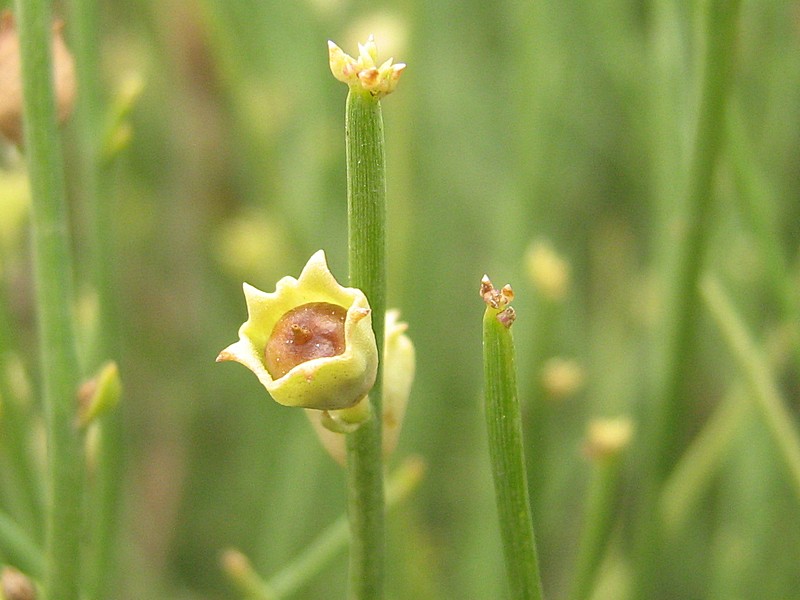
<point>54,296</point>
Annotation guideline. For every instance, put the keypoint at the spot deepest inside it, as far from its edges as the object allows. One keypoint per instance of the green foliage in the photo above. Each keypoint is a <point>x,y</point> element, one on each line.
<point>514,122</point>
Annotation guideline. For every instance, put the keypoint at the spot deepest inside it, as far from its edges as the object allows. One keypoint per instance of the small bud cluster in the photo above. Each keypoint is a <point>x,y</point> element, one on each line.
<point>364,72</point>
<point>499,299</point>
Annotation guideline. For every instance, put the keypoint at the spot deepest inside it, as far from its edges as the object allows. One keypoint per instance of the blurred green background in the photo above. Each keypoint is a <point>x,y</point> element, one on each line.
<point>563,122</point>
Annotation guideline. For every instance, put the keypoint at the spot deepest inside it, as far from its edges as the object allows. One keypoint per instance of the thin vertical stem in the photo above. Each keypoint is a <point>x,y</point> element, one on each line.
<point>679,324</point>
<point>507,456</point>
<point>665,423</point>
<point>366,203</point>
<point>90,120</point>
<point>17,424</point>
<point>54,296</point>
<point>600,504</point>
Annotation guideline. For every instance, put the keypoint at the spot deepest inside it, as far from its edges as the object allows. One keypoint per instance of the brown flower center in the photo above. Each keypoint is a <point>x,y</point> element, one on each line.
<point>312,330</point>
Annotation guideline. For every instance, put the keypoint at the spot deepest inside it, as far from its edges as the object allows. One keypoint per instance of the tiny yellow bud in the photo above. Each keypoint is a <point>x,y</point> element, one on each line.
<point>561,377</point>
<point>119,131</point>
<point>241,573</point>
<point>235,564</point>
<point>15,203</point>
<point>548,271</point>
<point>310,343</point>
<point>364,72</point>
<point>11,78</point>
<point>606,438</point>
<point>99,394</point>
<point>15,585</point>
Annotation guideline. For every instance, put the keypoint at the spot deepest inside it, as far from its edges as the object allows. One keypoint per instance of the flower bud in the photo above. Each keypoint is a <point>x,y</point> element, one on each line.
<point>310,343</point>
<point>398,375</point>
<point>15,203</point>
<point>15,585</point>
<point>11,78</point>
<point>498,301</point>
<point>607,438</point>
<point>562,377</point>
<point>548,271</point>
<point>364,72</point>
<point>99,394</point>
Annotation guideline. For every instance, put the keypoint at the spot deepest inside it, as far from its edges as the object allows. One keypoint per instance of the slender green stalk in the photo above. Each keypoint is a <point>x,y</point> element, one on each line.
<point>507,456</point>
<point>19,549</point>
<point>366,205</point>
<point>54,295</point>
<point>90,120</point>
<point>601,505</point>
<point>758,377</point>
<point>322,550</point>
<point>599,521</point>
<point>331,541</point>
<point>758,201</point>
<point>25,488</point>
<point>26,483</point>
<point>695,472</point>
<point>666,420</point>
<point>679,323</point>
<point>538,408</point>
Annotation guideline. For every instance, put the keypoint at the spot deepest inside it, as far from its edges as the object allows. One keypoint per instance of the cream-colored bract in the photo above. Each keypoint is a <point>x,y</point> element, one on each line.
<point>364,72</point>
<point>398,374</point>
<point>328,383</point>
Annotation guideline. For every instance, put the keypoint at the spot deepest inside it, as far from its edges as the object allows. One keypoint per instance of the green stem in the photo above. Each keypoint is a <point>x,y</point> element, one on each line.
<point>331,541</point>
<point>18,548</point>
<point>90,122</point>
<point>665,423</point>
<point>679,323</point>
<point>600,509</point>
<point>508,459</point>
<point>325,547</point>
<point>54,296</point>
<point>538,408</point>
<point>25,486</point>
<point>366,205</point>
<point>695,472</point>
<point>758,377</point>
<point>758,201</point>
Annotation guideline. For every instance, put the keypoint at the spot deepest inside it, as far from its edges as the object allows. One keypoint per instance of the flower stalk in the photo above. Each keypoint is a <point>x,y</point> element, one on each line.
<point>666,422</point>
<point>605,444</point>
<point>326,546</point>
<point>368,82</point>
<point>366,209</point>
<point>504,425</point>
<point>54,286</point>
